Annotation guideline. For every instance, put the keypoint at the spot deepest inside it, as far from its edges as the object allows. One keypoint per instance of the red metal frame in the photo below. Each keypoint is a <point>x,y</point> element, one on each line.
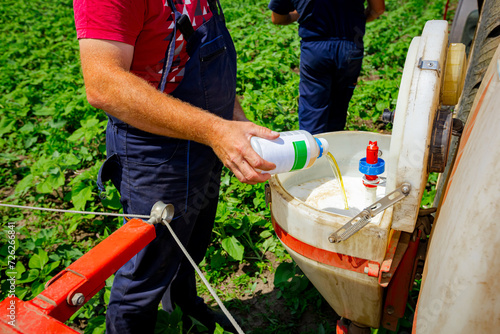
<point>399,287</point>
<point>85,277</point>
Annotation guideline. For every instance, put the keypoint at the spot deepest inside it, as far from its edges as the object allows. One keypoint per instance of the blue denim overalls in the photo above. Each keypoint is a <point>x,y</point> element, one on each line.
<point>147,168</point>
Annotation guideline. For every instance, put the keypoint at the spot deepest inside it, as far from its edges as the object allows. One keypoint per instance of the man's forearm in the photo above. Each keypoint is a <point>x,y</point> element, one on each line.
<point>111,87</point>
<point>134,101</point>
<point>238,113</point>
<point>374,9</point>
<point>284,19</point>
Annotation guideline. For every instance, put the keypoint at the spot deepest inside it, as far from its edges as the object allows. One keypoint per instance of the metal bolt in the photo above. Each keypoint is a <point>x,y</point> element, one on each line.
<point>390,309</point>
<point>405,188</point>
<point>366,270</point>
<point>386,275</point>
<point>78,299</point>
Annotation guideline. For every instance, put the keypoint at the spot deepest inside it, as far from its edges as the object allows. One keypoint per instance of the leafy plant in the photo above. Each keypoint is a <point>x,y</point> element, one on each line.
<point>52,145</point>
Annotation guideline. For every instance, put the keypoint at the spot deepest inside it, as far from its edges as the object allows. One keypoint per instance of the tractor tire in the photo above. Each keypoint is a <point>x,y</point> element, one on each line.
<point>484,45</point>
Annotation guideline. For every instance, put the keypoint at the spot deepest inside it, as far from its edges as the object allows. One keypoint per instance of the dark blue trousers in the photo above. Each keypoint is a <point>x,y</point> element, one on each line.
<point>329,70</point>
<point>147,169</point>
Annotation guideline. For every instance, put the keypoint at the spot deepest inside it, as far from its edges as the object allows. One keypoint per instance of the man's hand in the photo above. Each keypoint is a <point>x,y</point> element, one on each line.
<point>231,143</point>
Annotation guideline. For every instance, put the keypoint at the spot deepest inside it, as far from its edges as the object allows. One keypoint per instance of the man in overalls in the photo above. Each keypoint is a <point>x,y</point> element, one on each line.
<point>165,74</point>
<point>331,49</point>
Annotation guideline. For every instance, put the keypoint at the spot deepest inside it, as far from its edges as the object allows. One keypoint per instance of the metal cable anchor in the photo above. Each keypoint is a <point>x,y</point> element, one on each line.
<point>161,212</point>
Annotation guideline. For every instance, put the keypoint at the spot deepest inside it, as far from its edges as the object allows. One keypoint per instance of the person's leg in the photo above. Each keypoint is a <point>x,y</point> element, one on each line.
<point>315,86</point>
<point>349,58</point>
<point>152,169</point>
<point>182,291</point>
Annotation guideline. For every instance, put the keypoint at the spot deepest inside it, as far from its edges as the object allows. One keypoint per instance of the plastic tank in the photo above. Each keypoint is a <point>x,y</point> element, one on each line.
<point>304,229</point>
<point>347,274</point>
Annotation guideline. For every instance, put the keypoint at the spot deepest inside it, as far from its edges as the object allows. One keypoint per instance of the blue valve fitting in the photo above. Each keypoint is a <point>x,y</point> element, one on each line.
<point>371,169</point>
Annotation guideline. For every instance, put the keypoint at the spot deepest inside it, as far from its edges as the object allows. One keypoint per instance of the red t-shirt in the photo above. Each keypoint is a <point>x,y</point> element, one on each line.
<point>145,24</point>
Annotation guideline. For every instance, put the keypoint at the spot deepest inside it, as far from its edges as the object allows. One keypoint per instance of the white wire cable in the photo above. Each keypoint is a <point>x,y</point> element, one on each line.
<point>212,291</point>
<point>214,294</point>
<point>73,211</point>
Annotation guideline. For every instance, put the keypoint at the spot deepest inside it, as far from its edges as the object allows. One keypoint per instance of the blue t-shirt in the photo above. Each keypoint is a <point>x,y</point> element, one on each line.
<point>326,18</point>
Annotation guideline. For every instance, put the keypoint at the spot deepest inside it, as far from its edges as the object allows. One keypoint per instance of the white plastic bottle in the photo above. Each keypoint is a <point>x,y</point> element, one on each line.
<point>293,150</point>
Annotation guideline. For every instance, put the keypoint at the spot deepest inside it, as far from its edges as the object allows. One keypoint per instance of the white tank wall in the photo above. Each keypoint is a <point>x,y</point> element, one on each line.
<point>461,284</point>
<point>352,295</point>
<point>420,109</point>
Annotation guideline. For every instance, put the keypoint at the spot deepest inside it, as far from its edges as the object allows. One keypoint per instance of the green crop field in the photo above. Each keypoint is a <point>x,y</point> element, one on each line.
<point>52,144</point>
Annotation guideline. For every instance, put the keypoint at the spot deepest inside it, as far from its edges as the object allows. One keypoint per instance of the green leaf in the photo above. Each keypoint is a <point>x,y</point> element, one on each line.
<point>24,185</point>
<point>381,105</point>
<point>21,292</point>
<point>265,234</point>
<point>72,228</point>
<point>218,329</point>
<point>217,261</point>
<point>30,141</point>
<point>20,269</point>
<point>49,267</point>
<point>38,261</point>
<point>54,181</point>
<point>283,273</point>
<point>269,244</point>
<point>6,125</point>
<point>96,325</point>
<point>37,287</point>
<point>112,200</point>
<point>233,247</point>
<point>77,135</point>
<point>107,295</point>
<point>27,128</point>
<point>32,275</point>
<point>81,195</point>
<point>71,159</point>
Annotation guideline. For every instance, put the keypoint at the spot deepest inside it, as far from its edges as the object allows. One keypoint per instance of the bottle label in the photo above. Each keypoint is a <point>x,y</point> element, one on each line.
<point>300,149</point>
<point>290,152</point>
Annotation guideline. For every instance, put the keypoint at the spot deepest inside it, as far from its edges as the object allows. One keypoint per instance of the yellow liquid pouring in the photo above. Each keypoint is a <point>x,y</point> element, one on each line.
<point>336,172</point>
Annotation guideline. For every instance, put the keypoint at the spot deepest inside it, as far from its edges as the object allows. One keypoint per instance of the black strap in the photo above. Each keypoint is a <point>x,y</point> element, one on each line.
<point>185,27</point>
<point>171,5</point>
<point>213,6</point>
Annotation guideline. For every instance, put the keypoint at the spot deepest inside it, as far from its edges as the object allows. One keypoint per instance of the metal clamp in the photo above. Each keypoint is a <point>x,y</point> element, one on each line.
<point>161,212</point>
<point>429,65</point>
<point>364,217</point>
<point>380,182</point>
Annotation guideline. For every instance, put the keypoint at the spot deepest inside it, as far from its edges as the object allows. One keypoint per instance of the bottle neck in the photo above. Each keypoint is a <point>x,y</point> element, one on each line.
<point>320,145</point>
